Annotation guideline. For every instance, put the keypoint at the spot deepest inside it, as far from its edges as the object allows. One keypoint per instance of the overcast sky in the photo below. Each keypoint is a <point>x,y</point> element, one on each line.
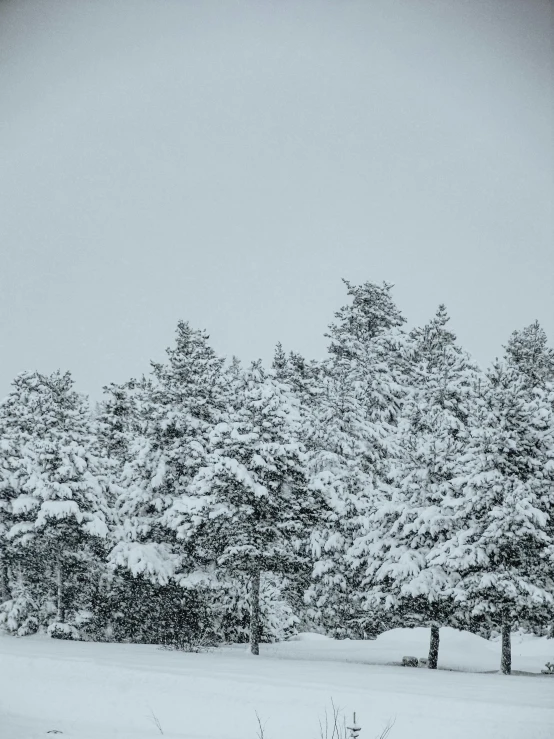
<point>227,163</point>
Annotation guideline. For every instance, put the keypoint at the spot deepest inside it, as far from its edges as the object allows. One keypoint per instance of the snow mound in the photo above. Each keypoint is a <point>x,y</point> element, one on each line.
<point>459,650</point>
<point>534,646</point>
<point>418,637</point>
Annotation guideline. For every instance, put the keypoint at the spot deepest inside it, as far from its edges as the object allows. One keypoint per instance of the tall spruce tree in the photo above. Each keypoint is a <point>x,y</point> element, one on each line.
<point>361,392</point>
<point>12,440</point>
<point>59,508</point>
<point>305,379</point>
<point>501,540</point>
<point>251,507</point>
<point>176,409</point>
<point>341,466</point>
<point>19,612</point>
<point>6,495</point>
<point>433,430</point>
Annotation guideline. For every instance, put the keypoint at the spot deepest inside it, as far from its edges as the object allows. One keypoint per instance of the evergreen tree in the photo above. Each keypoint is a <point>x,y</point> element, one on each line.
<point>5,511</point>
<point>528,351</point>
<point>177,408</point>
<point>20,609</point>
<point>433,430</point>
<point>367,339</point>
<point>301,375</point>
<point>306,380</point>
<point>231,608</point>
<point>341,466</point>
<point>251,506</point>
<point>361,392</point>
<point>59,508</point>
<point>11,443</point>
<point>371,313</point>
<point>501,543</point>
<point>117,419</point>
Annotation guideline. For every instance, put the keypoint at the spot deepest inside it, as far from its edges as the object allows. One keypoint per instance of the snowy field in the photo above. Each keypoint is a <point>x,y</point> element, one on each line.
<point>109,691</point>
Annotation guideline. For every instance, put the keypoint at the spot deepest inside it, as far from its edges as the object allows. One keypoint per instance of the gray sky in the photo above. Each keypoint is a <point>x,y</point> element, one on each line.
<point>227,163</point>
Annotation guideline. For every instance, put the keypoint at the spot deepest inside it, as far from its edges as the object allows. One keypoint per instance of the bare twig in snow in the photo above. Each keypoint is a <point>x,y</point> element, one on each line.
<point>261,727</point>
<point>156,721</point>
<point>336,726</point>
<point>333,729</point>
<point>387,730</point>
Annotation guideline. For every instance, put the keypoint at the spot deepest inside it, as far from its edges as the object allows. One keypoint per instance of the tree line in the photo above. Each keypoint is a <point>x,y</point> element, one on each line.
<point>393,483</point>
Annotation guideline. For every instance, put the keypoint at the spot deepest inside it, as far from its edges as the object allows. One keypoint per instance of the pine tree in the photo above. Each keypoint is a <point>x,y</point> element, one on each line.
<point>116,419</point>
<point>10,463</point>
<point>5,511</point>
<point>341,466</point>
<point>231,610</point>
<point>433,429</point>
<point>19,612</point>
<point>529,352</point>
<point>305,379</point>
<point>300,374</point>
<point>371,313</point>
<point>176,409</point>
<point>501,545</point>
<point>251,505</point>
<point>367,339</point>
<point>361,392</point>
<point>59,508</point>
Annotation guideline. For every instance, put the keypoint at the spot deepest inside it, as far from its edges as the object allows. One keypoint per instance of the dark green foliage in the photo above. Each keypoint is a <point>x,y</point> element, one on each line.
<point>133,609</point>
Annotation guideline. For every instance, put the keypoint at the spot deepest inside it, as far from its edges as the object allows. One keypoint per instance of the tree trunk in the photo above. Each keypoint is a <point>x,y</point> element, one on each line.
<point>61,605</point>
<point>433,659</point>
<point>255,612</point>
<point>4,582</point>
<point>506,661</point>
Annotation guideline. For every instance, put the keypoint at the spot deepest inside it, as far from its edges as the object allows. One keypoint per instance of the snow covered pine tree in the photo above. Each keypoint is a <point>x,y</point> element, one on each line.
<point>10,443</point>
<point>501,540</point>
<point>250,508</point>
<point>59,508</point>
<point>433,430</point>
<point>528,350</point>
<point>176,409</point>
<point>361,391</point>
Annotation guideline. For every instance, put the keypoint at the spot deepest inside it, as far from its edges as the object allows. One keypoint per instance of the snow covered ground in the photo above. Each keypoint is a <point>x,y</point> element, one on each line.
<point>109,691</point>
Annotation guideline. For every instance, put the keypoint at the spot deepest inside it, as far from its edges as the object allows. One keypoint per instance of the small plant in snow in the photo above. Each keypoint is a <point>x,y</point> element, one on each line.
<point>334,726</point>
<point>354,729</point>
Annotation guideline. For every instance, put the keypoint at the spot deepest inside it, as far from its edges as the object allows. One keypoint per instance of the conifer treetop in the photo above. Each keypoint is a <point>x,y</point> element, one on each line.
<point>371,313</point>
<point>528,350</point>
